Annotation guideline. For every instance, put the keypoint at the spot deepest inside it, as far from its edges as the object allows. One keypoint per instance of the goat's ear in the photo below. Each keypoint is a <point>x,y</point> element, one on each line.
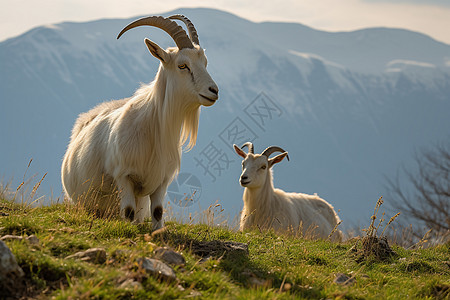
<point>240,152</point>
<point>277,159</point>
<point>156,50</point>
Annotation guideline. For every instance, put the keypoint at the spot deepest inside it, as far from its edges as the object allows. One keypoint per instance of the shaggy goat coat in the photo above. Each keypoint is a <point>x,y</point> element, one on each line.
<point>268,207</point>
<point>138,138</point>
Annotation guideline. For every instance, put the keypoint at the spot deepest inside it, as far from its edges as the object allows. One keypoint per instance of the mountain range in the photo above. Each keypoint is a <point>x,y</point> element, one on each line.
<point>351,108</point>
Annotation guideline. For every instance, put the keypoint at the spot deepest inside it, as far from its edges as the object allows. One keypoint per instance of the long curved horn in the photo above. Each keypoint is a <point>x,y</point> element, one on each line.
<point>192,32</point>
<point>171,27</point>
<point>272,149</point>
<point>250,147</point>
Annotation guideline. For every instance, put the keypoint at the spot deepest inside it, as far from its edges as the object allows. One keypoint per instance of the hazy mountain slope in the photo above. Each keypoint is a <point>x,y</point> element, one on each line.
<point>349,107</point>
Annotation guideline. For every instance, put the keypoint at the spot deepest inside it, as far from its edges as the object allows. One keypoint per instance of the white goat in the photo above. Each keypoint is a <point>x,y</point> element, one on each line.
<point>266,207</point>
<point>131,148</point>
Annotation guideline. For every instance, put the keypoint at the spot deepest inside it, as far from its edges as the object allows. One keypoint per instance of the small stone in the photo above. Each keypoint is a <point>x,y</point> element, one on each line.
<point>342,279</point>
<point>169,256</point>
<point>130,284</point>
<point>287,286</point>
<point>157,268</point>
<point>10,272</point>
<point>93,255</point>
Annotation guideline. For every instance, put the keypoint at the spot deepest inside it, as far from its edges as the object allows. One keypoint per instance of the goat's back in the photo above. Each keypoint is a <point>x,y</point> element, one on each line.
<point>102,109</point>
<point>312,211</point>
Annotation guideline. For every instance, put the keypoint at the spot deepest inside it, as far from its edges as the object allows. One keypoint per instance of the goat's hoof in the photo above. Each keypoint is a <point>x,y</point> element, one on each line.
<point>129,213</point>
<point>157,214</point>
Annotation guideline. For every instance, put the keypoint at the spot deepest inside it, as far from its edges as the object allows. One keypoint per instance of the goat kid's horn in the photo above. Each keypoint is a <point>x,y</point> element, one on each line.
<point>272,149</point>
<point>171,27</point>
<point>192,32</point>
<point>250,147</point>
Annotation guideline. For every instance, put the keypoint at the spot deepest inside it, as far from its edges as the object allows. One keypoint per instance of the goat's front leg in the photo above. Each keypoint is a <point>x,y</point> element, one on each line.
<point>157,199</point>
<point>127,199</point>
<point>142,208</point>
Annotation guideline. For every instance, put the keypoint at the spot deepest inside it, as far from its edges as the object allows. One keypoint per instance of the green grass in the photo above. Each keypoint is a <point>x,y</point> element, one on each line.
<point>285,267</point>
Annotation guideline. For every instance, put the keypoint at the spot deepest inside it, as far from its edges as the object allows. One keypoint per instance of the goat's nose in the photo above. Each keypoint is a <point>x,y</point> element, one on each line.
<point>214,90</point>
<point>244,177</point>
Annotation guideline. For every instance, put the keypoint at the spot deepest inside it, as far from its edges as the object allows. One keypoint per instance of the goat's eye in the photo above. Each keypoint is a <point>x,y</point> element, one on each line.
<point>263,167</point>
<point>183,66</point>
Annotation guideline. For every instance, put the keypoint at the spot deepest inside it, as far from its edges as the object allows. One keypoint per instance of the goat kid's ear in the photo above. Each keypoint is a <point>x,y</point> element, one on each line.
<point>240,152</point>
<point>277,158</point>
<point>156,50</point>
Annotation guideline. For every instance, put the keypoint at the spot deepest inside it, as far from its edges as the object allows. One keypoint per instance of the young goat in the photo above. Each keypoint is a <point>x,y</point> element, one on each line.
<point>131,148</point>
<point>266,207</point>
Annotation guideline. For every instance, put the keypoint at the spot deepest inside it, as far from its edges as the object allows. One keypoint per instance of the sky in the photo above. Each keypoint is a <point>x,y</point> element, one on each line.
<point>431,17</point>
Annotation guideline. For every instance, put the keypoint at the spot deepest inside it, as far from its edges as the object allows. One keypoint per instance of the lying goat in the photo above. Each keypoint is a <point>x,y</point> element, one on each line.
<point>266,207</point>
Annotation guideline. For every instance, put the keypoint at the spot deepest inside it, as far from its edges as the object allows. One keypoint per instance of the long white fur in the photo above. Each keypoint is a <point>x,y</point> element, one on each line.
<point>131,148</point>
<point>266,207</point>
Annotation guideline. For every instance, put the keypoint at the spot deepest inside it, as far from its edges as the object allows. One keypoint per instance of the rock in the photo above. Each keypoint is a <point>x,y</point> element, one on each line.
<point>10,272</point>
<point>218,248</point>
<point>130,284</point>
<point>342,279</point>
<point>157,268</point>
<point>169,256</point>
<point>93,255</point>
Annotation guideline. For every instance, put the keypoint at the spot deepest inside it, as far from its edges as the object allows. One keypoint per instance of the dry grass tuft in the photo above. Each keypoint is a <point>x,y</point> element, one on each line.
<point>372,245</point>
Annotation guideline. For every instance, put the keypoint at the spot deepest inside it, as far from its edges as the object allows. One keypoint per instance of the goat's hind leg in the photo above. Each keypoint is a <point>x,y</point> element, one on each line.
<point>127,199</point>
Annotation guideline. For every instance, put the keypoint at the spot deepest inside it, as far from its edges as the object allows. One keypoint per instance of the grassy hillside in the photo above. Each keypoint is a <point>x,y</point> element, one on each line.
<point>275,267</point>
